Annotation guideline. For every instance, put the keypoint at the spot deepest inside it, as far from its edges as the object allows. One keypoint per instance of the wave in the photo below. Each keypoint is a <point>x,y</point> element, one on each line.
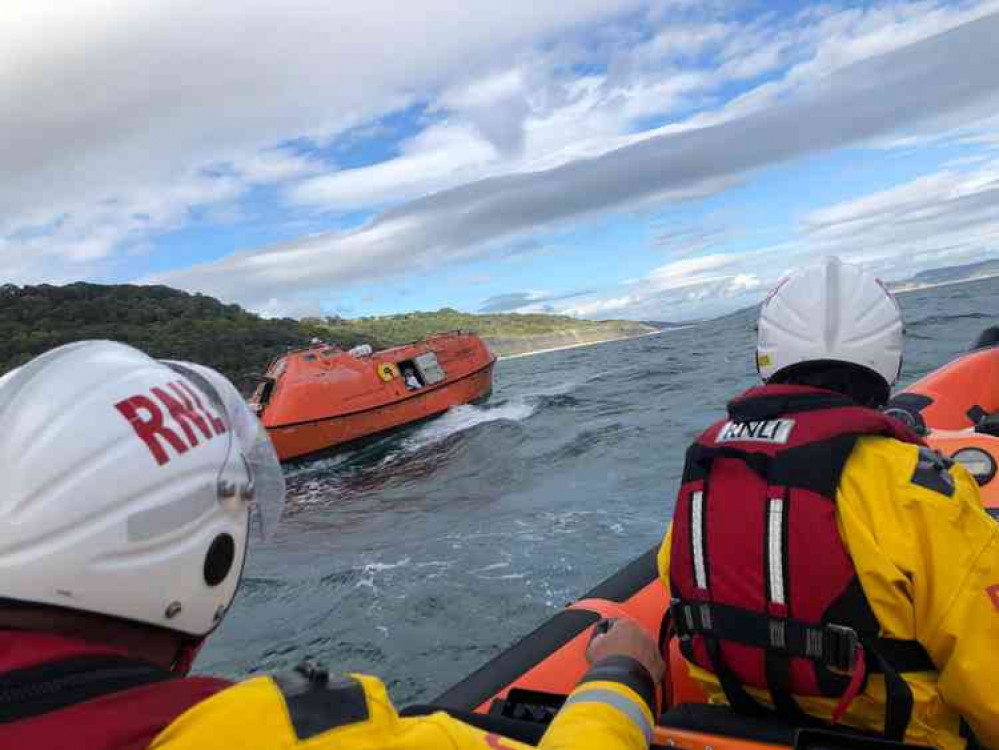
<point>462,418</point>
<point>937,319</point>
<point>306,467</point>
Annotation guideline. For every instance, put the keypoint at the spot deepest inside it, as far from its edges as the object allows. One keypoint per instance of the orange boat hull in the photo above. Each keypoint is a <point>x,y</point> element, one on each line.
<point>551,660</point>
<point>309,437</point>
<point>319,398</point>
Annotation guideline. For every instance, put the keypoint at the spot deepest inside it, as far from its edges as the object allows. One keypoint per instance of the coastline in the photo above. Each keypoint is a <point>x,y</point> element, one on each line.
<point>588,343</point>
<point>906,290</point>
<point>944,283</point>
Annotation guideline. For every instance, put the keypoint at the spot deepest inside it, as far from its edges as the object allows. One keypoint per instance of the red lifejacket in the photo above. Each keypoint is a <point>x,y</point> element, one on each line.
<point>59,692</point>
<point>764,593</point>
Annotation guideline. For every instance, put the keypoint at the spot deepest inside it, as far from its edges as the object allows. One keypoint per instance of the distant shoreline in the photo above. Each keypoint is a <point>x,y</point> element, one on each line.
<point>907,290</point>
<point>587,343</point>
<point>921,287</point>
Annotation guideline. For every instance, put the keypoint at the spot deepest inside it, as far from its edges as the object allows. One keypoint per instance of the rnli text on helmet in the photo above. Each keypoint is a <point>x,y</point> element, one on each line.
<point>186,410</point>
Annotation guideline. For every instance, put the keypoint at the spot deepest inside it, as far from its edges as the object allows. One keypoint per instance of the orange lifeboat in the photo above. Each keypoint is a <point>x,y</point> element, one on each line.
<point>521,689</point>
<point>321,397</point>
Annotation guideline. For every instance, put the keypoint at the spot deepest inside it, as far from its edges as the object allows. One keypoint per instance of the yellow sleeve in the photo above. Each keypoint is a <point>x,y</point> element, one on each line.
<point>601,715</point>
<point>663,557</point>
<point>927,561</point>
<point>963,643</point>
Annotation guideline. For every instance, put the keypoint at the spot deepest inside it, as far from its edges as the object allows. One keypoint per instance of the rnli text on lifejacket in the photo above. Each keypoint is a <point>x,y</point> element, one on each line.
<point>763,431</point>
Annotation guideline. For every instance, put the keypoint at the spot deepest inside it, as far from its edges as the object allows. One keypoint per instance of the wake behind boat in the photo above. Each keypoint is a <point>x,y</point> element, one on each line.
<point>323,397</point>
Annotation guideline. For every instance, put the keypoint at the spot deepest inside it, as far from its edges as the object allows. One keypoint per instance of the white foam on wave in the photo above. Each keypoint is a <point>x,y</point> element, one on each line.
<point>380,567</point>
<point>454,420</point>
<point>461,418</point>
<point>317,466</point>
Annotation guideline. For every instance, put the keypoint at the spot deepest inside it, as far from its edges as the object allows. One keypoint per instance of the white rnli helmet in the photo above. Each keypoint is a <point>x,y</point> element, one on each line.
<point>832,311</point>
<point>129,486</point>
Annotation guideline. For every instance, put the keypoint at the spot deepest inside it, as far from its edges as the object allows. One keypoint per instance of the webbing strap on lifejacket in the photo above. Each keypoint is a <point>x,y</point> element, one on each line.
<point>968,734</point>
<point>833,646</point>
<point>37,690</point>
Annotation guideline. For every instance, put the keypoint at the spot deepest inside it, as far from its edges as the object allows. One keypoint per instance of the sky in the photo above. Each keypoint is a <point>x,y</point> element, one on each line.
<point>637,159</point>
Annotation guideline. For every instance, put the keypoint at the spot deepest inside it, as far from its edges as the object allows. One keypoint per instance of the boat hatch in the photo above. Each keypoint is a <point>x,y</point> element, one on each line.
<point>429,368</point>
<point>262,394</point>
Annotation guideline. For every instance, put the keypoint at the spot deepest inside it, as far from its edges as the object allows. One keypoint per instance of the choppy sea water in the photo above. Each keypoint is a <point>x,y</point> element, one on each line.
<point>421,555</point>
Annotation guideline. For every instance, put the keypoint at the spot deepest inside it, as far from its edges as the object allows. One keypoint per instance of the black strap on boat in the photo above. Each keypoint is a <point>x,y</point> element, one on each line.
<point>33,691</point>
<point>666,631</point>
<point>977,414</point>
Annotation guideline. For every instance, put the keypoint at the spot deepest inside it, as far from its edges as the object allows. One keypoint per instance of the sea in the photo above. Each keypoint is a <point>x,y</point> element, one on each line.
<point>419,556</point>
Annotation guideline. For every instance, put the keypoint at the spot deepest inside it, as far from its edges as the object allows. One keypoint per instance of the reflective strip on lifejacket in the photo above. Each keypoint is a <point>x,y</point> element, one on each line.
<point>697,539</point>
<point>775,536</point>
<point>622,703</point>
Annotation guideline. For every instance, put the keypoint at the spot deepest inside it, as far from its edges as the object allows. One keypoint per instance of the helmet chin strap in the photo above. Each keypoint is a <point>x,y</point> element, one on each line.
<point>187,652</point>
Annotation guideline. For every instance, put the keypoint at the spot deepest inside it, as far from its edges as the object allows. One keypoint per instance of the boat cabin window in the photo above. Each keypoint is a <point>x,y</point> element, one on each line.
<point>429,368</point>
<point>262,393</point>
<point>410,375</point>
<point>309,357</point>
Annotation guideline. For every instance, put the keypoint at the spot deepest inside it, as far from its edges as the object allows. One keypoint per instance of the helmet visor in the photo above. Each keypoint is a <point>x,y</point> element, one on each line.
<point>251,454</point>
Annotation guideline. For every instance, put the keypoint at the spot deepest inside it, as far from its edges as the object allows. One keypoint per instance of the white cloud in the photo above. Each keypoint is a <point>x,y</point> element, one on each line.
<point>945,218</point>
<point>439,157</point>
<point>942,217</point>
<point>109,103</point>
<point>563,120</point>
<point>691,287</point>
<point>871,98</point>
<point>534,116</point>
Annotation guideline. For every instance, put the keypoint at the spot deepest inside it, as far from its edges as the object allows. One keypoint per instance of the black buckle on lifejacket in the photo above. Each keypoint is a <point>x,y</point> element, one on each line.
<point>840,648</point>
<point>690,619</point>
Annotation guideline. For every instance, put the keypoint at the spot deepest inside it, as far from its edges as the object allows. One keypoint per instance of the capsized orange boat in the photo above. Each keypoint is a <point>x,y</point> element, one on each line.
<point>521,690</point>
<point>314,399</point>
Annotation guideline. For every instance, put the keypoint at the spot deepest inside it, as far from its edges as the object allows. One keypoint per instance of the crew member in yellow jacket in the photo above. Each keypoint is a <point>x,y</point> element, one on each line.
<point>611,708</point>
<point>130,490</point>
<point>925,553</point>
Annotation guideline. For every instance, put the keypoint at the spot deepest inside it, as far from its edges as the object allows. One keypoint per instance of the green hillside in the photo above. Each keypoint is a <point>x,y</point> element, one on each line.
<point>164,322</point>
<point>401,329</point>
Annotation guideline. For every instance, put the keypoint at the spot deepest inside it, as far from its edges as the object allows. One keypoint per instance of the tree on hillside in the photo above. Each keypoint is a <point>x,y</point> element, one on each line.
<point>164,322</point>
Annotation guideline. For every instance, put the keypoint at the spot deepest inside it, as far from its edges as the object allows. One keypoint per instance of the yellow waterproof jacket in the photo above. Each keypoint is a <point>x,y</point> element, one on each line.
<point>929,566</point>
<point>354,713</point>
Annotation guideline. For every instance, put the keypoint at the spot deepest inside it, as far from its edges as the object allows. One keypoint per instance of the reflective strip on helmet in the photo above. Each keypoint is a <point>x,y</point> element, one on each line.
<point>775,531</point>
<point>622,703</point>
<point>160,520</point>
<point>697,539</point>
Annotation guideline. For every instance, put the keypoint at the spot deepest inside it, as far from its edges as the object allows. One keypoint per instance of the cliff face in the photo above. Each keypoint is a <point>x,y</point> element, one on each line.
<point>508,346</point>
